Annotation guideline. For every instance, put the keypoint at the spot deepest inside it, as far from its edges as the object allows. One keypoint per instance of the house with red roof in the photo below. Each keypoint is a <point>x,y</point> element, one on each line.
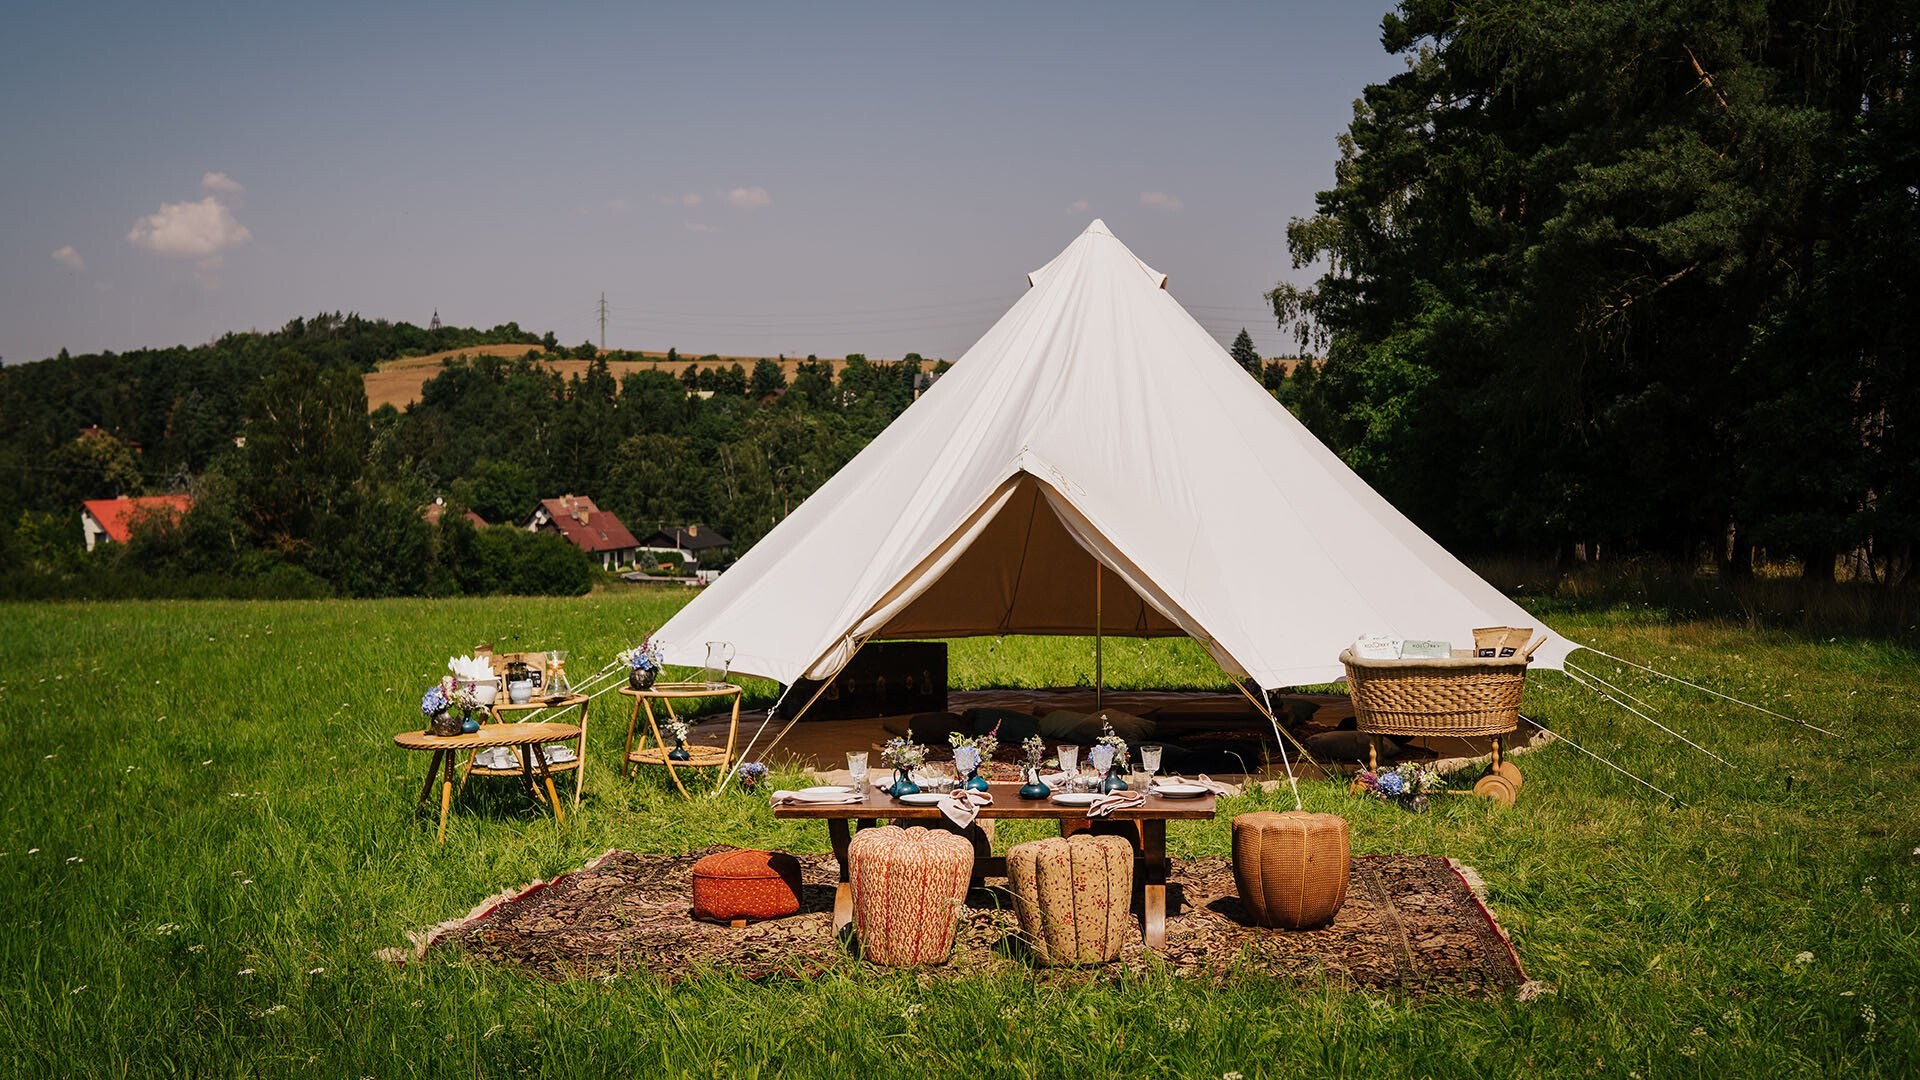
<point>587,527</point>
<point>113,519</point>
<point>438,508</point>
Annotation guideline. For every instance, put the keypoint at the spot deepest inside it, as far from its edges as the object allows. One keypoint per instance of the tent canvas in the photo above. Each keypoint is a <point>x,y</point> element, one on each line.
<point>1097,437</point>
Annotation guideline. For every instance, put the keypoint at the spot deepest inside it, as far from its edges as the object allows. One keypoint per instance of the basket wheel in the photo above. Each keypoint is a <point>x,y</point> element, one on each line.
<point>1512,772</point>
<point>1496,787</point>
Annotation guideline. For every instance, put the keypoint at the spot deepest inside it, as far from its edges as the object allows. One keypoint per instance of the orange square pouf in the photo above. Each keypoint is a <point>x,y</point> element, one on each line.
<point>746,886</point>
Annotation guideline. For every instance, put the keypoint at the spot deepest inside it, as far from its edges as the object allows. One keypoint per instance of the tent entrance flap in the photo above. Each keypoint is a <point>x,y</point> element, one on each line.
<point>1023,571</point>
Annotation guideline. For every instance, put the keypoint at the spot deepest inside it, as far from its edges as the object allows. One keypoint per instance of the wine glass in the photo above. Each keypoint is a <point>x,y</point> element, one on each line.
<point>1069,764</point>
<point>1150,758</point>
<point>857,767</point>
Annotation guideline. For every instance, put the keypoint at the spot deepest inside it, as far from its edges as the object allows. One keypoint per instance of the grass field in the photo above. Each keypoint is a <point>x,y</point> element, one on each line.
<point>398,382</point>
<point>206,836</point>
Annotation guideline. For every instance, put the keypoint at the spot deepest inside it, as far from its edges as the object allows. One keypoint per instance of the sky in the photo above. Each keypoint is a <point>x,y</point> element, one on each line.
<point>735,178</point>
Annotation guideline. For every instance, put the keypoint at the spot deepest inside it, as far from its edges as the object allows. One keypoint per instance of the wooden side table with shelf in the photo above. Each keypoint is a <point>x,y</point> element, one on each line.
<point>501,709</point>
<point>638,753</point>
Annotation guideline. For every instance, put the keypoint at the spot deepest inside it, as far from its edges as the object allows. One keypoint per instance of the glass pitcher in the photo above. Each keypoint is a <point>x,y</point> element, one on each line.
<point>557,672</point>
<point>719,663</point>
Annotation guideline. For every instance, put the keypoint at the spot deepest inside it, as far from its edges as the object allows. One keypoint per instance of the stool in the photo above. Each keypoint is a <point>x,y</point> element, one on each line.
<point>908,887</point>
<point>745,886</point>
<point>1071,895</point>
<point>1291,868</point>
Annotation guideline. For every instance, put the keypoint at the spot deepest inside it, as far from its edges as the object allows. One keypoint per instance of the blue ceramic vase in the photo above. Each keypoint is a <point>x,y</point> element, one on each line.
<point>903,784</point>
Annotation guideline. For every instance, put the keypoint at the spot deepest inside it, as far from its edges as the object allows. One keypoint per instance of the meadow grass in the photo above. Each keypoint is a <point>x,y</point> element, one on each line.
<point>206,835</point>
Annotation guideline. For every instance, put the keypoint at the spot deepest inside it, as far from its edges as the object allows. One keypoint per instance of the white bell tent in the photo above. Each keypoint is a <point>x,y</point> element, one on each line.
<point>1096,463</point>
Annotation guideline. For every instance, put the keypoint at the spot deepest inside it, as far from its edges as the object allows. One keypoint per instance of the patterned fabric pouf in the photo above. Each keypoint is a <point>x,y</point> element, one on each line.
<point>1071,895</point>
<point>908,887</point>
<point>746,886</point>
<point>1291,868</point>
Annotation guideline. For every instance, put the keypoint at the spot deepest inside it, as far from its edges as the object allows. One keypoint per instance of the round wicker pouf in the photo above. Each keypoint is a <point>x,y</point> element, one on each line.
<point>1291,868</point>
<point>1071,895</point>
<point>908,887</point>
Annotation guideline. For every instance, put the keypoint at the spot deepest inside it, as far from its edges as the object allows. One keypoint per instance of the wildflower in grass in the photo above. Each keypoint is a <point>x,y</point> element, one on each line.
<point>1179,1024</point>
<point>244,971</point>
<point>1688,1050</point>
<point>75,859</point>
<point>1697,1031</point>
<point>1229,1076</point>
<point>196,948</point>
<point>273,1010</point>
<point>33,851</point>
<point>912,1010</point>
<point>1803,958</point>
<point>167,928</point>
<point>317,971</point>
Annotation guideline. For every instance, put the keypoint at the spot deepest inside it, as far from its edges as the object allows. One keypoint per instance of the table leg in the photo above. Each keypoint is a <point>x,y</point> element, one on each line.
<point>539,754</point>
<point>446,793</point>
<point>627,766</point>
<point>1153,866</point>
<point>671,771</point>
<point>526,772</point>
<point>843,896</point>
<point>426,789</point>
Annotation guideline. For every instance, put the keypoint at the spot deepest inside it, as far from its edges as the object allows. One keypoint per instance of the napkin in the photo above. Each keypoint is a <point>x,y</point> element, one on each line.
<point>1116,800</point>
<point>792,798</point>
<point>1204,781</point>
<point>962,806</point>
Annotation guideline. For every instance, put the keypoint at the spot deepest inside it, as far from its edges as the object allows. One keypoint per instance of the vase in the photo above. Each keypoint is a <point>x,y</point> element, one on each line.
<point>444,723</point>
<point>1115,780</point>
<point>1033,788</point>
<point>975,782</point>
<point>642,678</point>
<point>679,751</point>
<point>903,784</point>
<point>469,726</point>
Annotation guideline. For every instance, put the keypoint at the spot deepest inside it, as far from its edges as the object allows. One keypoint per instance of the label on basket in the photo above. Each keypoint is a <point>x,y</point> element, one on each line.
<point>1425,650</point>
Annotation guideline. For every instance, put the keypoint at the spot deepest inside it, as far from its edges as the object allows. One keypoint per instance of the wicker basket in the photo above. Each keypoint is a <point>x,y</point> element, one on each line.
<point>1461,695</point>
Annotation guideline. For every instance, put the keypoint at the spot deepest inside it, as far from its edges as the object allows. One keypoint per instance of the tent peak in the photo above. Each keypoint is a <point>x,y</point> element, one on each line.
<point>1099,228</point>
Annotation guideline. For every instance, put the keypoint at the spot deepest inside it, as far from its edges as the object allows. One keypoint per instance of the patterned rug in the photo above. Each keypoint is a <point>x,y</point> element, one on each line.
<point>1410,924</point>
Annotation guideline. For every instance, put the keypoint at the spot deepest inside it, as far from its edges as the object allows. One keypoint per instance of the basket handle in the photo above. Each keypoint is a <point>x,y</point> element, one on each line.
<point>1528,655</point>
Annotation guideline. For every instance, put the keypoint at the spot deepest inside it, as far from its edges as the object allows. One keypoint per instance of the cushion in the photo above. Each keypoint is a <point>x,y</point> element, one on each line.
<point>1015,726</point>
<point>908,889</point>
<point>932,728</point>
<point>1346,745</point>
<point>1071,896</point>
<point>746,884</point>
<point>1062,724</point>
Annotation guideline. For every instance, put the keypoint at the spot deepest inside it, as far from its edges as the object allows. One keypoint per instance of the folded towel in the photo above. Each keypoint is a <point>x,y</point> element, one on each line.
<point>962,806</point>
<point>792,798</point>
<point>1117,800</point>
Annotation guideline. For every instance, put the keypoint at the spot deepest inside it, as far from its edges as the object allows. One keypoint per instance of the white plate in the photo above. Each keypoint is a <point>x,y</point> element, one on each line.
<point>1180,791</point>
<point>810,795</point>
<point>827,789</point>
<point>921,798</point>
<point>1077,798</point>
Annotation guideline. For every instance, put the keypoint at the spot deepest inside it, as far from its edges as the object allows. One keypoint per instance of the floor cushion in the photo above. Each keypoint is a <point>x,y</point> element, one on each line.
<point>1071,895</point>
<point>908,889</point>
<point>746,886</point>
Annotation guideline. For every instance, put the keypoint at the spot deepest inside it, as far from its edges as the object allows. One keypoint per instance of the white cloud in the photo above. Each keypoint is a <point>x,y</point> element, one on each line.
<point>70,259</point>
<point>690,199</point>
<point>221,184</point>
<point>748,198</point>
<point>192,230</point>
<point>1162,200</point>
<point>701,227</point>
<point>1077,206</point>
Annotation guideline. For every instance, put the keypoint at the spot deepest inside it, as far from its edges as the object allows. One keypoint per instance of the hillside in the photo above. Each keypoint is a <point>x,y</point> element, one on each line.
<point>398,382</point>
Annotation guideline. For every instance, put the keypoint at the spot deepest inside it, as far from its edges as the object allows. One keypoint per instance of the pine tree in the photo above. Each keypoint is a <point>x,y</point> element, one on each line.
<point>1245,354</point>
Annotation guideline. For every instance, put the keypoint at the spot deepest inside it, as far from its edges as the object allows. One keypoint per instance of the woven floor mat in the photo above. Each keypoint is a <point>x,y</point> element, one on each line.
<point>1410,924</point>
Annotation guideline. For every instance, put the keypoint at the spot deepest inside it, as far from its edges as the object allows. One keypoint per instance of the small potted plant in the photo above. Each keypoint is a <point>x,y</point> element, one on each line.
<point>1109,756</point>
<point>678,730</point>
<point>1035,749</point>
<point>436,706</point>
<point>970,754</point>
<point>644,662</point>
<point>903,755</point>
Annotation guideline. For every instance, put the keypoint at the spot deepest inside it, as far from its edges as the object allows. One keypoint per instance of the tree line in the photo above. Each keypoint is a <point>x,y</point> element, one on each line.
<point>1633,276</point>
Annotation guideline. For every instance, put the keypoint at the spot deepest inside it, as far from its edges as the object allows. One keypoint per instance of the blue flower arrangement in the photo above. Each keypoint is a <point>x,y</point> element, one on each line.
<point>751,773</point>
<point>434,703</point>
<point>1408,784</point>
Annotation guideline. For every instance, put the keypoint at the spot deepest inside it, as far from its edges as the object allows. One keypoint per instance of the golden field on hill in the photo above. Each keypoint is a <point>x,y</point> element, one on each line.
<point>398,382</point>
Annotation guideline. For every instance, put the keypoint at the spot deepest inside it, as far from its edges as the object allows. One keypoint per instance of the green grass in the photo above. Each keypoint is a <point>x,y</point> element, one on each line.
<point>223,841</point>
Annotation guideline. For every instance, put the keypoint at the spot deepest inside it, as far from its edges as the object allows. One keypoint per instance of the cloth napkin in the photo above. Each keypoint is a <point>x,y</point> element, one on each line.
<point>792,798</point>
<point>1204,781</point>
<point>962,806</point>
<point>1115,800</point>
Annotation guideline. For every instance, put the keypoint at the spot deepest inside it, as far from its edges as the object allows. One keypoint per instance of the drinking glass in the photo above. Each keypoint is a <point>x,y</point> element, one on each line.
<point>1070,764</point>
<point>857,766</point>
<point>1150,758</point>
<point>938,776</point>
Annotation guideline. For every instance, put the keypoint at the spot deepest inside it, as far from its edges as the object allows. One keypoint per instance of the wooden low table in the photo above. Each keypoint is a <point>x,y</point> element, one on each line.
<point>526,736</point>
<point>502,708</point>
<point>1152,816</point>
<point>638,753</point>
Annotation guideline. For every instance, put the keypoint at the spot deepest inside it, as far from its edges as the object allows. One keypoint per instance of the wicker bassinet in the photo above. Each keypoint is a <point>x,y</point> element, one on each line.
<point>1461,695</point>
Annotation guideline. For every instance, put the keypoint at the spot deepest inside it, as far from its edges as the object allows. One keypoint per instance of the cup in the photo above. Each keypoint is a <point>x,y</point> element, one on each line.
<point>857,766</point>
<point>1150,757</point>
<point>1069,763</point>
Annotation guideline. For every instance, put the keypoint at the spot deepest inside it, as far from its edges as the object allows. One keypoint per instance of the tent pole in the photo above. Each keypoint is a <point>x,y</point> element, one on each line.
<point>1277,727</point>
<point>1099,671</point>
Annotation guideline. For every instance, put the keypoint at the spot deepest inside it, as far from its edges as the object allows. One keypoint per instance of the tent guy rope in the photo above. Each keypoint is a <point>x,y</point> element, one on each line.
<point>1576,674</point>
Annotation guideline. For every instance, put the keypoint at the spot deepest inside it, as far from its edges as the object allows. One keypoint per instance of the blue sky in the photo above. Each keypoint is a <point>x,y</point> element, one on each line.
<point>748,179</point>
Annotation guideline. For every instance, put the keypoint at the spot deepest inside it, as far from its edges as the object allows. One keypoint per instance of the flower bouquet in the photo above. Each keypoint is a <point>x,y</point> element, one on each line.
<point>644,662</point>
<point>1034,749</point>
<point>678,731</point>
<point>903,755</point>
<point>1109,756</point>
<point>970,753</point>
<point>436,706</point>
<point>1408,784</point>
<point>750,774</point>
